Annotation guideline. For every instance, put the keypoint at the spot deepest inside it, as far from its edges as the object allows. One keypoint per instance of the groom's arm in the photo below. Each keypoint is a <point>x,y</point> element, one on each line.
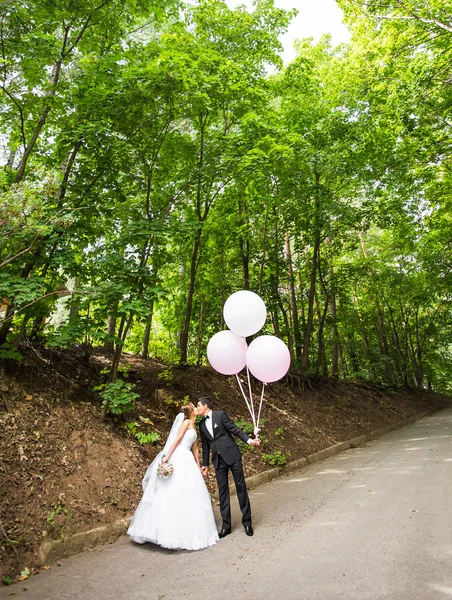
<point>205,449</point>
<point>232,428</point>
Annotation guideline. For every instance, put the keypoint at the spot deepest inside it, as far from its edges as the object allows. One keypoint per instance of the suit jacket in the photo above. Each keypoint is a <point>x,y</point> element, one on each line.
<point>221,443</point>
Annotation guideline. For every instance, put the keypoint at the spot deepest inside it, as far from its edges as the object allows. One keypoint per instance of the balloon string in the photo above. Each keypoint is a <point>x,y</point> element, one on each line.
<point>260,408</point>
<point>246,400</point>
<point>251,396</point>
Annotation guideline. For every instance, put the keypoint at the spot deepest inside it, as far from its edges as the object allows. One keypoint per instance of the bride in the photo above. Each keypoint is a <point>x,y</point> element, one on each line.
<point>162,516</point>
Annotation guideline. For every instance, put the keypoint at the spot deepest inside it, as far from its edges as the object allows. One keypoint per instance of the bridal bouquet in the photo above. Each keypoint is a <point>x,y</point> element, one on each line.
<point>164,470</point>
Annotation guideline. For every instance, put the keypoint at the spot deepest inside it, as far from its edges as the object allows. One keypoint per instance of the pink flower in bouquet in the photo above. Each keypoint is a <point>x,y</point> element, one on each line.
<point>164,470</point>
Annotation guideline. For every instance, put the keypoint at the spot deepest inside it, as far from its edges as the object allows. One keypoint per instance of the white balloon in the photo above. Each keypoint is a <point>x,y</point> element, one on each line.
<point>268,358</point>
<point>244,313</point>
<point>227,352</point>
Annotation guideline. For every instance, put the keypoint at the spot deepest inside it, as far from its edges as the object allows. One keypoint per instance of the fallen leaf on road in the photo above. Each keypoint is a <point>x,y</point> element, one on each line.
<point>25,574</point>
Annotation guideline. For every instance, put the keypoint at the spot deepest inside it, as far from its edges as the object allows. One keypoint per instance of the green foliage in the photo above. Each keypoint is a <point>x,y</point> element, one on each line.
<point>119,396</point>
<point>124,369</point>
<point>279,432</point>
<point>167,376</point>
<point>143,438</point>
<point>7,580</point>
<point>57,510</point>
<point>23,291</point>
<point>276,458</point>
<point>245,448</point>
<point>147,438</point>
<point>9,351</point>
<point>245,426</point>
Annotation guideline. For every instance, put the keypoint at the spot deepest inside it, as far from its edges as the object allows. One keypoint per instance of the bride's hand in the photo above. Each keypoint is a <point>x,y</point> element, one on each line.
<point>165,459</point>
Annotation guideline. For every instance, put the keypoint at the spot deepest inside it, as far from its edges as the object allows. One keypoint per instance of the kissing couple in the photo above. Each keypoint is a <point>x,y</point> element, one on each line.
<point>176,512</point>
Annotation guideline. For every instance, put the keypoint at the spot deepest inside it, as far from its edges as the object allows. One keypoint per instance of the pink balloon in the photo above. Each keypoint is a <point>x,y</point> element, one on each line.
<point>268,358</point>
<point>227,352</point>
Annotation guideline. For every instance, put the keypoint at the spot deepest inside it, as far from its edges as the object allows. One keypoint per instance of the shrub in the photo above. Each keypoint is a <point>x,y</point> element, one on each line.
<point>245,426</point>
<point>119,396</point>
<point>277,458</point>
<point>142,438</point>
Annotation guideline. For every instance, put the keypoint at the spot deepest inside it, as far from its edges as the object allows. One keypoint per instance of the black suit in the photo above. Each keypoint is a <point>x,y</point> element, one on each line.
<point>226,457</point>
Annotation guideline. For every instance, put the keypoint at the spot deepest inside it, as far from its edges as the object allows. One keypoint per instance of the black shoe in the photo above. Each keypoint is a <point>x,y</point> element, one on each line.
<point>224,532</point>
<point>249,530</point>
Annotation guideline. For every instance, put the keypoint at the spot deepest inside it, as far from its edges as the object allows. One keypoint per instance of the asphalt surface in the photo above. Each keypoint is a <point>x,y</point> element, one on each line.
<point>369,523</point>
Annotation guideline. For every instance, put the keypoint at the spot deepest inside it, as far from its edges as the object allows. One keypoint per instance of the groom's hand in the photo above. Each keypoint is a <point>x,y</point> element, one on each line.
<point>255,442</point>
<point>204,471</point>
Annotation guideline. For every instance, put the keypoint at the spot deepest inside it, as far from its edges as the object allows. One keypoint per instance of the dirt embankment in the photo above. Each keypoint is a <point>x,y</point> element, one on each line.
<point>64,470</point>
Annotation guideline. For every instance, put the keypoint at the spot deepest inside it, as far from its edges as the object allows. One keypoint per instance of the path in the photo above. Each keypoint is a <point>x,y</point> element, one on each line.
<point>370,523</point>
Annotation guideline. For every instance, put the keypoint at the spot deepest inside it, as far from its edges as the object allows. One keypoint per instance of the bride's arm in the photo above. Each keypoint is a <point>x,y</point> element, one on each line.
<point>195,451</point>
<point>180,435</point>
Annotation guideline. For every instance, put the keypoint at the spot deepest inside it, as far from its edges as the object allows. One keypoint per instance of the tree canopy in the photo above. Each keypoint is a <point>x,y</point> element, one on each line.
<point>152,165</point>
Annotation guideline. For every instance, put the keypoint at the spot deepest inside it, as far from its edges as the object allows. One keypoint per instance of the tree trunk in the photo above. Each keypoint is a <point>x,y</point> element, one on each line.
<point>222,304</point>
<point>191,291</point>
<point>309,322</point>
<point>67,170</point>
<point>321,363</point>
<point>335,349</point>
<point>416,359</point>
<point>361,322</point>
<point>147,332</point>
<point>389,370</point>
<point>402,354</point>
<point>34,138</point>
<point>293,302</point>
<point>4,329</point>
<point>264,249</point>
<point>201,316</point>
<point>275,322</point>
<point>202,210</point>
<point>74,308</point>
<point>244,243</point>
<point>342,362</point>
<point>300,285</point>
<point>418,353</point>
<point>109,344</point>
<point>113,375</point>
<point>351,344</point>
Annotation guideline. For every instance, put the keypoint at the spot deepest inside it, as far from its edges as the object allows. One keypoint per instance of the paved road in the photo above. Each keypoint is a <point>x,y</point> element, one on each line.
<point>370,523</point>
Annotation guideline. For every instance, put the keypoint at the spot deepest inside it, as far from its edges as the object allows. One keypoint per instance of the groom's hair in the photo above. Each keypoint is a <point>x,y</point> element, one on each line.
<point>207,402</point>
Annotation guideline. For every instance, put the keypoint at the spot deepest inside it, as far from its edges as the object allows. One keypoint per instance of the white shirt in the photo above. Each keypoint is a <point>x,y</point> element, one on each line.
<point>209,423</point>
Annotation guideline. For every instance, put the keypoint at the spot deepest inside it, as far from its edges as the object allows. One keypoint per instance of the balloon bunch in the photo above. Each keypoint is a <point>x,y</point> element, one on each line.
<point>267,357</point>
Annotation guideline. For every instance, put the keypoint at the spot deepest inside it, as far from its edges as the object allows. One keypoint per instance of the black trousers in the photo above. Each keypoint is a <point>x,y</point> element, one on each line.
<point>222,472</point>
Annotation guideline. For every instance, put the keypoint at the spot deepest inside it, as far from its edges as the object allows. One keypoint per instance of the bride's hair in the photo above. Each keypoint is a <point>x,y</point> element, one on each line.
<point>187,410</point>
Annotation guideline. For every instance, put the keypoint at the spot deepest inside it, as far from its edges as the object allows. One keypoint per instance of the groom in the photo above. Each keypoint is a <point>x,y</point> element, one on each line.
<point>216,430</point>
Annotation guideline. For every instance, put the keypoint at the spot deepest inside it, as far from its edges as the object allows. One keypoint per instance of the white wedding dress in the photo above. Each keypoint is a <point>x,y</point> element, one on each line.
<point>176,512</point>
